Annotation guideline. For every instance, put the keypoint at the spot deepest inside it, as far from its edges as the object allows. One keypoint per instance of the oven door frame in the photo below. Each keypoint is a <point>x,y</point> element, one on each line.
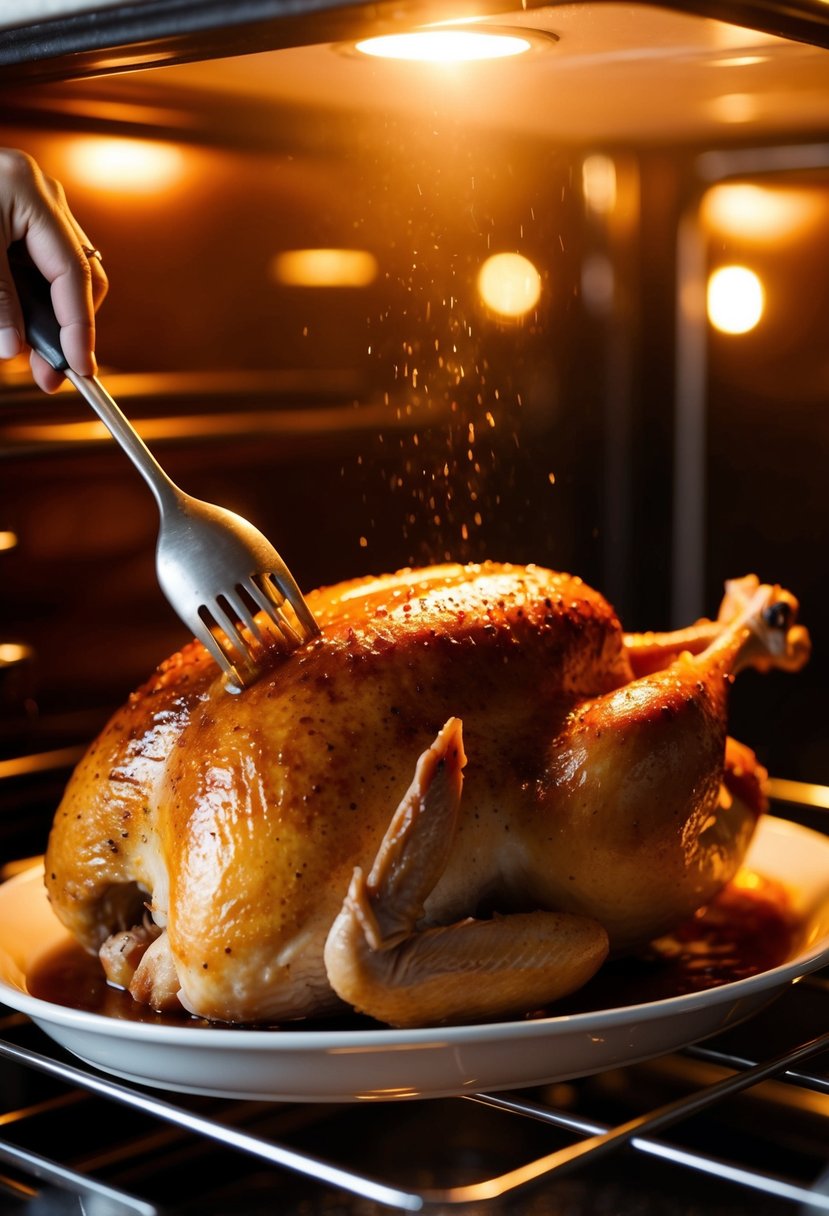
<point>97,41</point>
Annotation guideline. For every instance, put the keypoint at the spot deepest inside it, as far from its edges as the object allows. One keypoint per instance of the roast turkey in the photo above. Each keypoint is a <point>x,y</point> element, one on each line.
<point>448,806</point>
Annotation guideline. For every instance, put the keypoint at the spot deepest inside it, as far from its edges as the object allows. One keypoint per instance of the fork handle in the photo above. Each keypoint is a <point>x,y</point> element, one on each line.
<point>43,335</point>
<point>123,432</point>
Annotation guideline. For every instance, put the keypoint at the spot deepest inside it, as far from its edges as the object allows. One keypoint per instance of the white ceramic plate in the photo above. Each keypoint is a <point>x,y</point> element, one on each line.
<point>379,1063</point>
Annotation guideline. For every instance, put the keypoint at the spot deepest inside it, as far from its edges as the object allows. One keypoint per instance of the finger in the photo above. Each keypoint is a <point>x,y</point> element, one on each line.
<point>45,376</point>
<point>56,252</point>
<point>55,247</point>
<point>78,335</point>
<point>67,269</point>
<point>100,282</point>
<point>11,318</point>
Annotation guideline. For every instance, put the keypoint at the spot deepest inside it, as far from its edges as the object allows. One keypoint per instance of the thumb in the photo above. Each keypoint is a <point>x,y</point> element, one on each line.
<point>11,318</point>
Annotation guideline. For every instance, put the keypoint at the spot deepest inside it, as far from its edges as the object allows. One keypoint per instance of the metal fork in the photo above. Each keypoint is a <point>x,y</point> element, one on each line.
<point>221,575</point>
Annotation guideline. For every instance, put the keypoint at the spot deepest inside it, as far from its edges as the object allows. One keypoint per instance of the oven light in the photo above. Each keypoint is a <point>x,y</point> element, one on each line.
<point>756,213</point>
<point>736,299</point>
<point>12,653</point>
<point>324,268</point>
<point>445,46</point>
<point>125,166</point>
<point>8,540</point>
<point>598,183</point>
<point>509,284</point>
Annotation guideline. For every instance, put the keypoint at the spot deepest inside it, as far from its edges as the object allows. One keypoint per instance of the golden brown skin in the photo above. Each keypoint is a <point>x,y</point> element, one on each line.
<point>592,802</point>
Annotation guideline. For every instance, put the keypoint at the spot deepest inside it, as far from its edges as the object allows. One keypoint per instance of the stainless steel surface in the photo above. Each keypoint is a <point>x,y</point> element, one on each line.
<point>215,568</point>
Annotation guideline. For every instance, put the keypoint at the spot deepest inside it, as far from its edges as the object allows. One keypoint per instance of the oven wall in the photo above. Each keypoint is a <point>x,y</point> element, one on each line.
<point>399,422</point>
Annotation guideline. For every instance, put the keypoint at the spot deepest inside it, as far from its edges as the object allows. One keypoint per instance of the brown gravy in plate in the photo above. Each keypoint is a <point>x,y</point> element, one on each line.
<point>749,928</point>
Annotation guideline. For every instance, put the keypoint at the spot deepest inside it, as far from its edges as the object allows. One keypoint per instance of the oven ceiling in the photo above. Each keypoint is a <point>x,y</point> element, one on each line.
<point>617,72</point>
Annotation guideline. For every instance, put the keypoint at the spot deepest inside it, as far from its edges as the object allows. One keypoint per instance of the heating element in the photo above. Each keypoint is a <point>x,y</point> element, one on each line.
<point>739,1123</point>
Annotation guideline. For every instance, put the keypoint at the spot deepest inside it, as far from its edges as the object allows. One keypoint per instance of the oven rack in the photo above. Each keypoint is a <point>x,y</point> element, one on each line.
<point>43,1170</point>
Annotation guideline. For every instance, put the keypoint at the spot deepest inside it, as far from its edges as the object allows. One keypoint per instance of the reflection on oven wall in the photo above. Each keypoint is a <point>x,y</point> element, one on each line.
<point>426,400</point>
<point>751,438</point>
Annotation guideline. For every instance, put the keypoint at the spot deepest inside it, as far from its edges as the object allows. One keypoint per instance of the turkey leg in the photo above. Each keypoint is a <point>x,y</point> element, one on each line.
<point>652,651</point>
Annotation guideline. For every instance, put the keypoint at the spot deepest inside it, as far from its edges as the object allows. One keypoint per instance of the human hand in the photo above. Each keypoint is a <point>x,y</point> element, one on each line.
<point>33,209</point>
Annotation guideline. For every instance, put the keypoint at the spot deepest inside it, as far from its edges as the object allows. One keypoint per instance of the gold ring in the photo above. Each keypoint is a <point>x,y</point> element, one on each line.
<point>91,253</point>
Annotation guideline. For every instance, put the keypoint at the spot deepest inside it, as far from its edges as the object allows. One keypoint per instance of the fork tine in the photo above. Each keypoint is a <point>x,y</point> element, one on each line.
<point>283,582</point>
<point>240,607</point>
<point>263,592</point>
<point>205,635</point>
<point>287,628</point>
<point>229,627</point>
<point>279,585</point>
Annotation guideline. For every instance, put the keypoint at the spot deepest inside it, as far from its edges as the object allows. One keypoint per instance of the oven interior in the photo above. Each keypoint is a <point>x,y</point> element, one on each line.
<point>297,322</point>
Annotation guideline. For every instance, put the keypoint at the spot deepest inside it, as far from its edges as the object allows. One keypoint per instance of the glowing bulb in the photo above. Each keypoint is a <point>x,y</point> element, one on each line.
<point>509,284</point>
<point>735,299</point>
<point>8,540</point>
<point>325,268</point>
<point>444,46</point>
<point>130,166</point>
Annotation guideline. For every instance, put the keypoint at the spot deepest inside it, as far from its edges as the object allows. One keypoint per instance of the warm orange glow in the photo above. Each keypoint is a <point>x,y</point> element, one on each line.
<point>756,213</point>
<point>13,652</point>
<point>598,181</point>
<point>509,284</point>
<point>739,61</point>
<point>747,880</point>
<point>445,46</point>
<point>735,108</point>
<point>125,166</point>
<point>736,299</point>
<point>325,267</point>
<point>8,540</point>
<point>803,792</point>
